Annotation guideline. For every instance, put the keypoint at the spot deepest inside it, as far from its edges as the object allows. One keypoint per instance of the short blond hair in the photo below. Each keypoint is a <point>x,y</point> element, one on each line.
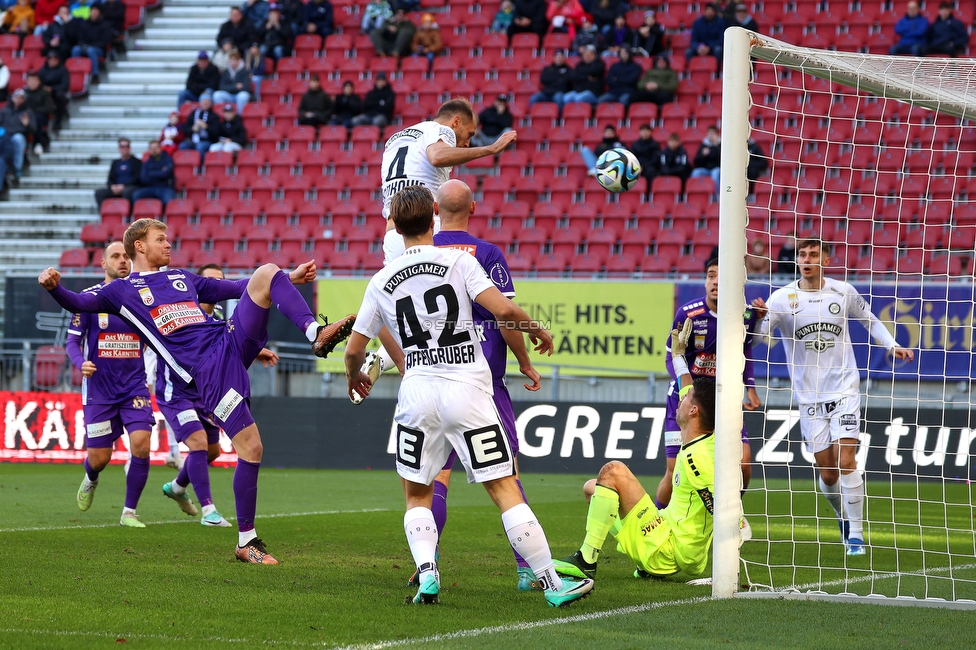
<point>138,231</point>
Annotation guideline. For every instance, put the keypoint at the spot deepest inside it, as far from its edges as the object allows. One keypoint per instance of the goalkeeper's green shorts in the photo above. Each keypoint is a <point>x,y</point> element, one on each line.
<point>645,537</point>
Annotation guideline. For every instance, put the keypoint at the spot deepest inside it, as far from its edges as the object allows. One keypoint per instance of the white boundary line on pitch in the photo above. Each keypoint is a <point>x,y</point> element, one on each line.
<point>881,576</point>
<point>194,520</point>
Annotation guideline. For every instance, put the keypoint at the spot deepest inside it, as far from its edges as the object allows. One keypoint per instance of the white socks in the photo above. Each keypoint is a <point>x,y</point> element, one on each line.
<point>208,509</point>
<point>832,492</point>
<point>244,537</point>
<point>128,511</point>
<point>176,487</point>
<point>312,331</point>
<point>852,491</point>
<point>421,531</point>
<point>529,540</point>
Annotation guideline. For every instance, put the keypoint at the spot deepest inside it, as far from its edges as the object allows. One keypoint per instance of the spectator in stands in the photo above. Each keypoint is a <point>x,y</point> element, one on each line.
<point>157,178</point>
<point>622,79</point>
<point>758,164</point>
<point>221,56</point>
<point>609,141</point>
<point>81,9</point>
<point>231,135</point>
<point>256,13</point>
<point>530,16</point>
<point>123,175</point>
<point>707,34</point>
<point>648,152</point>
<point>565,16</point>
<point>172,134</point>
<point>659,84</point>
<point>947,34</point>
<point>4,80</point>
<point>617,37</point>
<point>55,78</point>
<point>395,37</point>
<point>235,83</point>
<point>44,13</point>
<point>912,29</point>
<point>62,34</point>
<point>17,120</point>
<point>318,17</point>
<point>556,81</point>
<point>427,40</point>
<point>674,159</point>
<point>39,101</point>
<point>316,105</point>
<point>377,105</point>
<point>742,18</point>
<point>503,17</point>
<point>588,78</point>
<point>648,39</point>
<point>347,106</point>
<point>293,15</point>
<point>406,6</point>
<point>95,39</point>
<point>708,160</point>
<point>587,35</point>
<point>757,261</point>
<point>605,13</point>
<point>6,162</point>
<point>202,81</point>
<point>255,64</point>
<point>786,257</point>
<point>276,36</point>
<point>375,16</point>
<point>200,127</point>
<point>114,12</point>
<point>238,30</point>
<point>492,122</point>
<point>19,19</point>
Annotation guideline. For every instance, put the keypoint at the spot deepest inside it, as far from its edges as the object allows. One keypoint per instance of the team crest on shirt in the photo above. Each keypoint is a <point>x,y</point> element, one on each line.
<point>699,342</point>
<point>834,308</point>
<point>179,285</point>
<point>794,300</point>
<point>103,321</point>
<point>147,297</point>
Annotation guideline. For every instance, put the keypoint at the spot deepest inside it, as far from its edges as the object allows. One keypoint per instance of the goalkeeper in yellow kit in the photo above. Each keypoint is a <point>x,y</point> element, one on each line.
<point>660,542</point>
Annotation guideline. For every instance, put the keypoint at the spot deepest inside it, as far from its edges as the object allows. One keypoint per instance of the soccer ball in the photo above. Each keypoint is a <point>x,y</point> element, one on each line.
<point>617,170</point>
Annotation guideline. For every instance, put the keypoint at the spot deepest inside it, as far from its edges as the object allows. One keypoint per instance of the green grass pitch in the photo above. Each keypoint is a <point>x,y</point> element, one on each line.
<point>78,580</point>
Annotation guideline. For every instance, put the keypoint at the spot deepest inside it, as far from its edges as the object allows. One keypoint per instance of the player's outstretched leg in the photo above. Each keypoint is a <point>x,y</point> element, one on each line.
<point>135,479</point>
<point>600,519</point>
<point>86,492</point>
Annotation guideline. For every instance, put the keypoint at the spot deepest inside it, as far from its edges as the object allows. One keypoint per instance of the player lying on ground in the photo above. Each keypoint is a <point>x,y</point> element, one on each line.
<point>454,205</point>
<point>113,391</point>
<point>445,396</point>
<point>675,538</point>
<point>812,316</point>
<point>194,428</point>
<point>208,356</point>
<point>691,352</point>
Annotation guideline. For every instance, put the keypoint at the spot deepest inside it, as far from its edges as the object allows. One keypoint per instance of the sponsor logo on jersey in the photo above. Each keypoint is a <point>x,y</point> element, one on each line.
<point>470,249</point>
<point>819,344</point>
<point>499,275</point>
<point>169,318</point>
<point>227,404</point>
<point>189,415</point>
<point>834,308</point>
<point>99,429</point>
<point>176,276</point>
<point>179,285</point>
<point>704,365</point>
<point>695,312</point>
<point>118,345</point>
<point>816,328</point>
<point>416,134</point>
<point>848,421</point>
<point>103,321</point>
<point>420,268</point>
<point>146,295</point>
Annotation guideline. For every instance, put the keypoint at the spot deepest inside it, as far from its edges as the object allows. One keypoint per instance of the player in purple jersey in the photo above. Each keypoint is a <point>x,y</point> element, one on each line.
<point>691,352</point>
<point>181,405</point>
<point>454,206</point>
<point>164,307</point>
<point>113,392</point>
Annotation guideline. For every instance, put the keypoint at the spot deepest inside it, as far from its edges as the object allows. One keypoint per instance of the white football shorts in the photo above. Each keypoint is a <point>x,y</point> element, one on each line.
<point>824,423</point>
<point>434,416</point>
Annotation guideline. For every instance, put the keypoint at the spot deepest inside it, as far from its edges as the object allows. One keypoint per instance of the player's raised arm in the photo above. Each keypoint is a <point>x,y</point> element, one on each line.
<point>441,154</point>
<point>89,303</point>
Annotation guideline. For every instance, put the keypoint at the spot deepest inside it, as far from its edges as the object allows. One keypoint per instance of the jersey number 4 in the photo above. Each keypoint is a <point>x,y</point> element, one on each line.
<point>396,171</point>
<point>412,333</point>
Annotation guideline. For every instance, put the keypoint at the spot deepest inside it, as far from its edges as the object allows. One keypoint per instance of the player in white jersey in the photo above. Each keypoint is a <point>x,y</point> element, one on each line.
<point>812,315</point>
<point>425,298</point>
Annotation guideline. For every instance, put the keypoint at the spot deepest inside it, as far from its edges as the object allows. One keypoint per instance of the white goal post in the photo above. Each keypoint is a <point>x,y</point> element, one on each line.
<point>901,569</point>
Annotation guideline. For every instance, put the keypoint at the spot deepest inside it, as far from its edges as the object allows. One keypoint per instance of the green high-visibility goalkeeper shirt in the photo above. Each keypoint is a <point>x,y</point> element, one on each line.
<point>689,512</point>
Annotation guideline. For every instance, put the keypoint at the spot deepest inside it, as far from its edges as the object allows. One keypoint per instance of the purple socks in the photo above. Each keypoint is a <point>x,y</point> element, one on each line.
<point>439,507</point>
<point>246,492</point>
<point>290,302</point>
<point>198,474</point>
<point>183,478</point>
<point>92,474</point>
<point>135,480</point>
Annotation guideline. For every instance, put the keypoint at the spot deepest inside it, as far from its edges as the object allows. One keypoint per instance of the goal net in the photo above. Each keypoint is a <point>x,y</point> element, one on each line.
<point>873,155</point>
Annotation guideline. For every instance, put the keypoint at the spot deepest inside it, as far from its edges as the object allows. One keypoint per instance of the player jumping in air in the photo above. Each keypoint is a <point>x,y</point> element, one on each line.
<point>113,392</point>
<point>445,396</point>
<point>424,154</point>
<point>812,316</point>
<point>691,352</point>
<point>164,307</point>
<point>660,541</point>
<point>454,205</point>
<point>180,404</point>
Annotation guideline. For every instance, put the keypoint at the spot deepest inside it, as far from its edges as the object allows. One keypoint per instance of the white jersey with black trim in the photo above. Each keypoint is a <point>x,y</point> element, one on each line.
<point>424,297</point>
<point>814,329</point>
<point>405,160</point>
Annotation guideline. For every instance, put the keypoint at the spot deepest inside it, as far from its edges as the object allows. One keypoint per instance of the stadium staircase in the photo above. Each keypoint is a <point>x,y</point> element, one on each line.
<point>43,217</point>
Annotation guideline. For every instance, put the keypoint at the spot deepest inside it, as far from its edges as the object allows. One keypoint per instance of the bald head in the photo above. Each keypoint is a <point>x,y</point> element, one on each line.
<point>454,204</point>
